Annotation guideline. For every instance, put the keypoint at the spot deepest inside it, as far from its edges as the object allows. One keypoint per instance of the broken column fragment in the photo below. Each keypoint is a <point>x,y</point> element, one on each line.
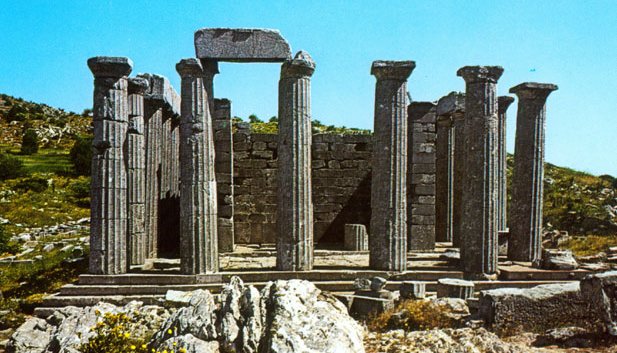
<point>241,45</point>
<point>294,222</point>
<point>136,167</point>
<point>388,240</point>
<point>479,221</point>
<point>525,241</point>
<point>421,177</point>
<point>108,229</point>
<point>356,238</point>
<point>198,211</point>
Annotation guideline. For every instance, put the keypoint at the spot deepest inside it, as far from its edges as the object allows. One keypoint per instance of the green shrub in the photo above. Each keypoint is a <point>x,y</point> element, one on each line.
<point>10,167</point>
<point>30,142</point>
<point>413,315</point>
<point>6,245</point>
<point>81,155</point>
<point>79,191</point>
<point>35,183</point>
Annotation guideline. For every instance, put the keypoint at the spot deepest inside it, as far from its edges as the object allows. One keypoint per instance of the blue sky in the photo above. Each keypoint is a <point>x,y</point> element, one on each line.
<point>45,45</point>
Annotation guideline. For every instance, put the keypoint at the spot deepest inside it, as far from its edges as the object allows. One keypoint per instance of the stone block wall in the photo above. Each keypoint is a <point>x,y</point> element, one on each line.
<point>421,176</point>
<point>341,185</point>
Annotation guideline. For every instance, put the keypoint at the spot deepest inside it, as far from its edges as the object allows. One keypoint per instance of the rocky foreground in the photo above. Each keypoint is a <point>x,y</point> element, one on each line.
<point>295,316</point>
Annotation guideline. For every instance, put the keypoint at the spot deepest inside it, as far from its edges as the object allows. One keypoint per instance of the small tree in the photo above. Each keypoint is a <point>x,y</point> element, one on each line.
<point>254,119</point>
<point>81,155</point>
<point>30,142</point>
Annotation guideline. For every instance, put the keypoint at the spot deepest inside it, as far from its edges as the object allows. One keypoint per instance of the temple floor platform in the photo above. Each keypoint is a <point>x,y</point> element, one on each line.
<point>334,271</point>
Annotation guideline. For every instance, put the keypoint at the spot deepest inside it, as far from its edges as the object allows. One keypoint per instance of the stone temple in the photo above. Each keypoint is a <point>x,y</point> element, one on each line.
<point>182,198</point>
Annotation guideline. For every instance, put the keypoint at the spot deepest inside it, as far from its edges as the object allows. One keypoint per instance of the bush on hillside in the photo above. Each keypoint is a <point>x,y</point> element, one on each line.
<point>10,167</point>
<point>81,155</point>
<point>35,183</point>
<point>30,142</point>
<point>80,191</point>
<point>6,245</point>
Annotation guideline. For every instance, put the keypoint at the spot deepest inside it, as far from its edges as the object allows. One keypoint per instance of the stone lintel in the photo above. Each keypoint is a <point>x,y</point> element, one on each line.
<point>138,85</point>
<point>301,65</point>
<point>503,103</point>
<point>450,104</point>
<point>473,74</point>
<point>533,90</point>
<point>161,90</point>
<point>241,45</point>
<point>110,66</point>
<point>392,70</point>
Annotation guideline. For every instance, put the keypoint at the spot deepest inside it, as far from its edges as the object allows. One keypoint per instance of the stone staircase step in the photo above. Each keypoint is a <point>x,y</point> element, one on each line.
<point>111,290</point>
<point>261,276</point>
<point>81,301</point>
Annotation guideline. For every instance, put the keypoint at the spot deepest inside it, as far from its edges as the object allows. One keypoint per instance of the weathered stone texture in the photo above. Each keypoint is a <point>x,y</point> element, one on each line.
<point>503,102</point>
<point>108,228</point>
<point>421,170</point>
<point>136,167</point>
<point>294,223</point>
<point>223,146</point>
<point>198,211</point>
<point>479,222</point>
<point>525,242</point>
<point>388,241</point>
<point>538,309</point>
<point>241,45</point>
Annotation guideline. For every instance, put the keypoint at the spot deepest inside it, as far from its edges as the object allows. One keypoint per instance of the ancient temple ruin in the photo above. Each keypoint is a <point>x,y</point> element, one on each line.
<point>173,178</point>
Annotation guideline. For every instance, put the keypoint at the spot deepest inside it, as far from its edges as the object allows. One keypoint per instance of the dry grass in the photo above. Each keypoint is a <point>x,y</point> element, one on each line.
<point>412,315</point>
<point>590,245</point>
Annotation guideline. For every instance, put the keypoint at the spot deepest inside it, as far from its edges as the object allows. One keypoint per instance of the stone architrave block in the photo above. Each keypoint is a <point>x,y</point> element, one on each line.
<point>241,45</point>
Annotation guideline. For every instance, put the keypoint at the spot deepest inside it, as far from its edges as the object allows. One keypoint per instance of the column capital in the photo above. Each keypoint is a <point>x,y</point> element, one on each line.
<point>190,67</point>
<point>444,120</point>
<point>210,66</point>
<point>533,90</point>
<point>392,70</point>
<point>138,85</point>
<point>503,102</point>
<point>453,102</point>
<point>488,74</point>
<point>417,110</point>
<point>110,66</point>
<point>301,65</point>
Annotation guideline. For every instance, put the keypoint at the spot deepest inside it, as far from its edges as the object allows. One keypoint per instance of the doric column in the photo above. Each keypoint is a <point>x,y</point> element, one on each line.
<point>136,167</point>
<point>294,220</point>
<point>198,237</point>
<point>525,240</point>
<point>421,177</point>
<point>503,102</point>
<point>453,106</point>
<point>479,221</point>
<point>444,165</point>
<point>388,236</point>
<point>153,122</point>
<point>108,228</point>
